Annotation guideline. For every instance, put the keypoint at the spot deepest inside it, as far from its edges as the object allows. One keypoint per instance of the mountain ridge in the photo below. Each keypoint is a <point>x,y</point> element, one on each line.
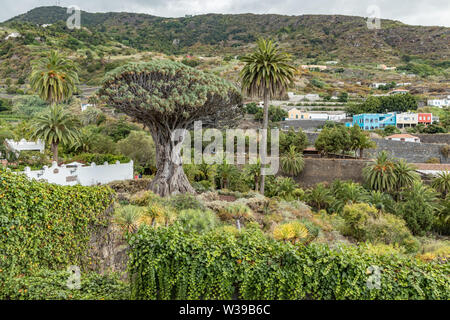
<point>328,36</point>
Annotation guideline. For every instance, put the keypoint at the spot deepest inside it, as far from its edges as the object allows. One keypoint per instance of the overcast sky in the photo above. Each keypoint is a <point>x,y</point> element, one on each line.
<point>415,12</point>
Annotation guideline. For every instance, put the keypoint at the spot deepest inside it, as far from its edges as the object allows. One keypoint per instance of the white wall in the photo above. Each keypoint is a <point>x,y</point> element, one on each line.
<point>24,145</point>
<point>68,175</point>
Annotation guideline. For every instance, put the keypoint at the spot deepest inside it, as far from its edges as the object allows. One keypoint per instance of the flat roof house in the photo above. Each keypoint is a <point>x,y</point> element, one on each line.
<point>407,119</point>
<point>403,137</point>
<point>445,102</point>
<point>425,118</point>
<point>371,121</point>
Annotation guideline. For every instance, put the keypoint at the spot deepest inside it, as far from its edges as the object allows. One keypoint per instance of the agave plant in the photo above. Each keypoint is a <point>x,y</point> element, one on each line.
<point>239,212</point>
<point>292,231</point>
<point>128,217</point>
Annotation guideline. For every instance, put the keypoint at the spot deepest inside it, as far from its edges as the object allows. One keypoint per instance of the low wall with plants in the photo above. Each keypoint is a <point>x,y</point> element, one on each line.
<point>45,226</point>
<point>318,170</point>
<point>166,263</point>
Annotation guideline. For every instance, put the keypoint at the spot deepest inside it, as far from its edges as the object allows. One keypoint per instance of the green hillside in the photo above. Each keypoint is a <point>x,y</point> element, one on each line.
<point>322,36</point>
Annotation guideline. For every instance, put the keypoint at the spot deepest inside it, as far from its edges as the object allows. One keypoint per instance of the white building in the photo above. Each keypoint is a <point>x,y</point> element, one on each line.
<point>376,85</point>
<point>84,106</point>
<point>24,145</point>
<point>13,35</point>
<point>76,173</point>
<point>439,102</point>
<point>407,119</point>
<point>314,66</point>
<point>403,137</point>
<point>312,97</point>
<point>399,91</point>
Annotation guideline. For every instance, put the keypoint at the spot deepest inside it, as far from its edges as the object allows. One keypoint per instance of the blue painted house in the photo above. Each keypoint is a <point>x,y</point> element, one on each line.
<point>371,121</point>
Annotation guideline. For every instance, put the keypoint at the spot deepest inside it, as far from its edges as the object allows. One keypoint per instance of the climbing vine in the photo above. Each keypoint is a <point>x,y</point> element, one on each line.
<point>168,263</point>
<point>45,226</point>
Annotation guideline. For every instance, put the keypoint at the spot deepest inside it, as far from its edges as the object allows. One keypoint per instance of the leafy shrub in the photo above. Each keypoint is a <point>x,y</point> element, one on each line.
<point>356,217</point>
<point>221,264</point>
<point>144,198</point>
<point>52,285</point>
<point>44,225</point>
<point>390,229</point>
<point>419,208</point>
<point>99,159</point>
<point>186,201</point>
<point>198,220</point>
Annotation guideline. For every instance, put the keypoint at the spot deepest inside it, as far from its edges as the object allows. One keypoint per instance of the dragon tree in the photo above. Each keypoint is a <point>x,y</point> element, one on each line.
<point>166,96</point>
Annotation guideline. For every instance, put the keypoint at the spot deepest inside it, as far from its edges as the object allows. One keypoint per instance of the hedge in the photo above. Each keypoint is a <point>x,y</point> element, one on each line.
<point>46,226</point>
<point>166,263</point>
<point>52,285</point>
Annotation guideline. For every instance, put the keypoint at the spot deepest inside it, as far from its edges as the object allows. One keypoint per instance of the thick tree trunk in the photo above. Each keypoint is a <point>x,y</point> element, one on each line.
<point>264,138</point>
<point>170,178</point>
<point>55,151</point>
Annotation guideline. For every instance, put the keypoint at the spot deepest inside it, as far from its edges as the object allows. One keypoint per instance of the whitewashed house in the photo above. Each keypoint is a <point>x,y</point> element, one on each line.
<point>403,137</point>
<point>445,102</point>
<point>13,35</point>
<point>376,85</point>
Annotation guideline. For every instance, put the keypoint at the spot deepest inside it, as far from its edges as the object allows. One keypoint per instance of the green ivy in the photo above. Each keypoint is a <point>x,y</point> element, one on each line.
<point>52,285</point>
<point>167,263</point>
<point>46,226</point>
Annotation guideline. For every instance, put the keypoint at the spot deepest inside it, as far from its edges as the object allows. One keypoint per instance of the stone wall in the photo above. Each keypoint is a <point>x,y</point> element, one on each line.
<point>312,136</point>
<point>434,138</point>
<point>327,170</point>
<point>108,249</point>
<point>410,151</point>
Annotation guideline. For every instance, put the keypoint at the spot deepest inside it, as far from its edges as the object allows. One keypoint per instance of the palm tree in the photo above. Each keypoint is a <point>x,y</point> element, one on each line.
<point>55,126</point>
<point>319,197</point>
<point>442,183</point>
<point>226,173</point>
<point>405,174</point>
<point>84,141</point>
<point>382,201</point>
<point>381,175</point>
<point>253,171</point>
<point>285,188</point>
<point>267,73</point>
<point>54,78</point>
<point>292,162</point>
<point>348,193</point>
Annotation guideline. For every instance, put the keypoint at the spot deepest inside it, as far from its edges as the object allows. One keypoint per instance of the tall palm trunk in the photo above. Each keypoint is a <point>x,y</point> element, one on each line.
<point>55,151</point>
<point>263,146</point>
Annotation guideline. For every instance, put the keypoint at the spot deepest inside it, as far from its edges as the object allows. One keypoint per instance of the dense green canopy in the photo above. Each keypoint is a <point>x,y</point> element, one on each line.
<point>171,95</point>
<point>165,96</point>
